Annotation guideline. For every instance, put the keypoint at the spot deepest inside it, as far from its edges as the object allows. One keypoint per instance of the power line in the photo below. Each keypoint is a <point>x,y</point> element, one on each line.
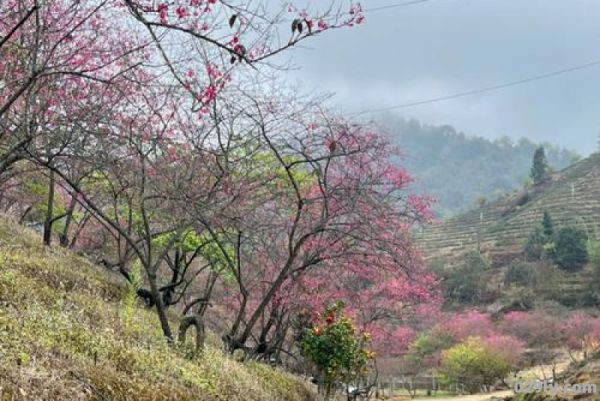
<point>386,7</point>
<point>482,90</point>
<point>404,4</point>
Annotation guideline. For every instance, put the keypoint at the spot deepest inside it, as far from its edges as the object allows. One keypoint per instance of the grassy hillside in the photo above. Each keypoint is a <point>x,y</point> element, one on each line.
<point>500,228</point>
<point>66,334</point>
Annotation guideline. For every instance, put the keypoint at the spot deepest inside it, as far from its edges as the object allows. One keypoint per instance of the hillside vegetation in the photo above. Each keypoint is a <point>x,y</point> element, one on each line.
<point>457,169</point>
<point>67,333</point>
<point>500,228</point>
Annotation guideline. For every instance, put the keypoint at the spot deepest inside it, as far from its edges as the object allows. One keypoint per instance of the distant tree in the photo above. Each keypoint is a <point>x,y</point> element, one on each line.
<point>534,246</point>
<point>518,298</point>
<point>581,333</point>
<point>425,351</point>
<point>540,168</point>
<point>466,283</point>
<point>548,225</point>
<point>570,251</point>
<point>466,324</point>
<point>477,364</point>
<point>481,201</point>
<point>538,328</point>
<point>593,250</point>
<point>540,241</point>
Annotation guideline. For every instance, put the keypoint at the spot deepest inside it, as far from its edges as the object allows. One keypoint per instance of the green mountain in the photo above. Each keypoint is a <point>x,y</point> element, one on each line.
<point>498,231</point>
<point>571,197</point>
<point>458,169</point>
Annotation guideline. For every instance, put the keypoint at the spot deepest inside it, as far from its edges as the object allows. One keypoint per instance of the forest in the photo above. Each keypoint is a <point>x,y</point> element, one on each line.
<point>458,169</point>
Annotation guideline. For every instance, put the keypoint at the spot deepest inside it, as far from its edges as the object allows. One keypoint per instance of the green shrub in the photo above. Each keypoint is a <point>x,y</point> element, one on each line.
<point>539,244</point>
<point>570,251</point>
<point>535,246</point>
<point>548,225</point>
<point>473,365</point>
<point>521,274</point>
<point>593,250</point>
<point>466,283</point>
<point>336,349</point>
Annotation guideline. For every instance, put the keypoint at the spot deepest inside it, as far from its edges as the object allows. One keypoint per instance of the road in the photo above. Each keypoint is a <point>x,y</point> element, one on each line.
<point>539,371</point>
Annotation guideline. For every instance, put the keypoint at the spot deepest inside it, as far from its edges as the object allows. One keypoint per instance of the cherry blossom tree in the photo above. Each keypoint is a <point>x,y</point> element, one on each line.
<point>469,323</point>
<point>145,122</point>
<point>537,328</point>
<point>55,58</point>
<point>315,197</point>
<point>581,333</point>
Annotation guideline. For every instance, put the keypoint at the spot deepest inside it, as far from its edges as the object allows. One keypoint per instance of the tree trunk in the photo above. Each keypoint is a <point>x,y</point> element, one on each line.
<point>64,236</point>
<point>49,211</point>
<point>186,323</point>
<point>160,309</point>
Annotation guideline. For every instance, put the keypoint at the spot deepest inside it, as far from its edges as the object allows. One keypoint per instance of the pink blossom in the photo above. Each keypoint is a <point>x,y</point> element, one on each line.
<point>181,12</point>
<point>512,349</point>
<point>163,12</point>
<point>466,324</point>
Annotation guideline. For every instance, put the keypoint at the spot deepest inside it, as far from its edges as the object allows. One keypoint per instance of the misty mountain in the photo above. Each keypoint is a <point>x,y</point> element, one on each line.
<point>457,169</point>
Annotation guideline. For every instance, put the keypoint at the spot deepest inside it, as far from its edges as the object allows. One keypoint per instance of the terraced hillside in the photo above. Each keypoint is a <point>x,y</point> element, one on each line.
<point>500,228</point>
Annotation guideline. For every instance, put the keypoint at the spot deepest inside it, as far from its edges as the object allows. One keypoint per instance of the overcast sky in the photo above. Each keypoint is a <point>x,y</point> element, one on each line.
<point>441,47</point>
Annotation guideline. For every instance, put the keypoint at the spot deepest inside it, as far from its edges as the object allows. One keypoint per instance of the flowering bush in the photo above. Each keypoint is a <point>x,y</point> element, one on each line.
<point>511,349</point>
<point>581,331</point>
<point>466,324</point>
<point>336,349</point>
<point>536,328</point>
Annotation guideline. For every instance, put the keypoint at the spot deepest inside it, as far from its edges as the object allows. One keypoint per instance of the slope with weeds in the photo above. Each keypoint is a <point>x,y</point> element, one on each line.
<point>66,334</point>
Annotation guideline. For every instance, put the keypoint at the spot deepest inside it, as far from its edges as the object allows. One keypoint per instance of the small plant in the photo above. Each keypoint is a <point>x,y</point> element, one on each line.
<point>131,296</point>
<point>337,349</point>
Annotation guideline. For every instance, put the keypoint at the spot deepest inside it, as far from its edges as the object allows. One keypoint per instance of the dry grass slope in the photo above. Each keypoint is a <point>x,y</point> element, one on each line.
<point>65,334</point>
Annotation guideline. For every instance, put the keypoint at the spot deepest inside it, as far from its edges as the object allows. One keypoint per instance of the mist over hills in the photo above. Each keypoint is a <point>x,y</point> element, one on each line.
<point>457,169</point>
